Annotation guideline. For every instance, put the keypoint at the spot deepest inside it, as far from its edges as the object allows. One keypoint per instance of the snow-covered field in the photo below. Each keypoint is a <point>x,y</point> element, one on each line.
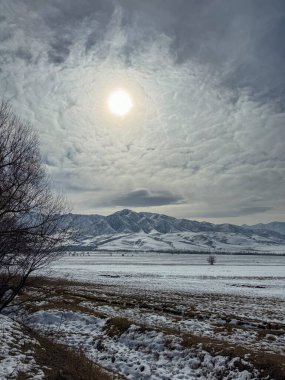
<point>232,274</point>
<point>151,316</point>
<point>231,314</point>
<point>148,355</point>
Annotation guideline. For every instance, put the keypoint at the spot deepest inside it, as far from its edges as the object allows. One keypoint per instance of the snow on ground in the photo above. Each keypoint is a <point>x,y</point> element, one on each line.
<point>188,241</point>
<point>240,301</point>
<point>139,354</point>
<point>213,328</point>
<point>254,275</point>
<point>16,351</point>
<point>241,331</point>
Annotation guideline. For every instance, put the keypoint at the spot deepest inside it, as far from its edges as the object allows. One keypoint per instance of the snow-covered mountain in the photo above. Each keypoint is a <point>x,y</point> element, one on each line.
<point>129,230</point>
<point>278,227</point>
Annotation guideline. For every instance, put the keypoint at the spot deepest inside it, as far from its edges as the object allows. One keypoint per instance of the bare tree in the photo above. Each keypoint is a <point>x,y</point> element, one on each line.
<point>211,259</point>
<point>32,232</point>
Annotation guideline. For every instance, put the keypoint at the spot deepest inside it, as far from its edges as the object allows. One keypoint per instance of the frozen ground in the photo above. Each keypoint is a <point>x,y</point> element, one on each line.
<point>232,274</point>
<point>17,351</point>
<point>137,354</point>
<point>167,334</point>
<point>153,316</point>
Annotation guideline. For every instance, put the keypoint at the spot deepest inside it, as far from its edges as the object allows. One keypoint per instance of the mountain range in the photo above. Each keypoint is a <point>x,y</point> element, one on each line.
<point>129,230</point>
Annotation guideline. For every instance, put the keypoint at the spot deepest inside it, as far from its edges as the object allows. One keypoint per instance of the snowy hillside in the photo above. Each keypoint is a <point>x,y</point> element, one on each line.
<point>128,230</point>
<point>184,241</point>
<point>278,227</point>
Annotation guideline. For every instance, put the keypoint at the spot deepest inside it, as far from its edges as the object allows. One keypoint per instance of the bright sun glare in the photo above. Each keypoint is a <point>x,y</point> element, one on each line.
<point>120,103</point>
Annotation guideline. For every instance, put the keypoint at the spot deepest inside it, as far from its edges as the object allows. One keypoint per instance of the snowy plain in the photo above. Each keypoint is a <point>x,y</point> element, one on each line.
<point>252,275</point>
<point>165,296</point>
<point>157,301</point>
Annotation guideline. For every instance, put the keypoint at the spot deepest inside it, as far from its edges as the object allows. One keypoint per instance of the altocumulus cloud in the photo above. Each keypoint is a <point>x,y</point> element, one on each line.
<point>207,80</point>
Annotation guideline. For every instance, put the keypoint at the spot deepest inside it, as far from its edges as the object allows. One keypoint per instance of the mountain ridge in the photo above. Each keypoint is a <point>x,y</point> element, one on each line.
<point>130,230</point>
<point>274,226</point>
<point>129,221</point>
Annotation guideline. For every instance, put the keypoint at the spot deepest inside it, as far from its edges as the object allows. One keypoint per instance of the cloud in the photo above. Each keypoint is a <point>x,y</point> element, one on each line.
<point>144,198</point>
<point>234,213</point>
<point>208,86</point>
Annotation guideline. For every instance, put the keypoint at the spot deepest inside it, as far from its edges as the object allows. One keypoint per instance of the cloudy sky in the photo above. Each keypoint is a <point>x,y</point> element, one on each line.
<point>205,138</point>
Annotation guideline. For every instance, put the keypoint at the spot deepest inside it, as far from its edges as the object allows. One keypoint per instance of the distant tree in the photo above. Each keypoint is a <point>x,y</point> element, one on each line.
<point>31,229</point>
<point>211,259</point>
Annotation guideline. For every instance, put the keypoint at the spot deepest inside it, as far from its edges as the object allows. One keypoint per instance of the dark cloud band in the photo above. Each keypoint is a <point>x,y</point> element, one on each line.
<point>144,198</point>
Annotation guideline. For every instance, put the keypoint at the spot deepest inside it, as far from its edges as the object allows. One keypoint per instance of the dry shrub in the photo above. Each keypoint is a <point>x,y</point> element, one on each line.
<point>117,326</point>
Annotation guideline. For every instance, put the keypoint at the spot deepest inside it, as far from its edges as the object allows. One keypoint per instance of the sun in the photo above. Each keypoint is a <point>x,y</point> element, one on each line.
<point>120,103</point>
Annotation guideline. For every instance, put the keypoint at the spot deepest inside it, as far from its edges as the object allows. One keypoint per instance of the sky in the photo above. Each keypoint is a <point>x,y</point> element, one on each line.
<point>205,138</point>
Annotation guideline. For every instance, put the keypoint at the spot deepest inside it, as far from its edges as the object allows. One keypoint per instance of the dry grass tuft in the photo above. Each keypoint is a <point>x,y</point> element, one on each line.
<point>22,376</point>
<point>117,326</point>
<point>60,362</point>
<point>271,365</point>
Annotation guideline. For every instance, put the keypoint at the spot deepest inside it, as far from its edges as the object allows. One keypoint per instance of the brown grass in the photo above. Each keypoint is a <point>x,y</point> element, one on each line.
<point>271,365</point>
<point>117,326</point>
<point>72,293</point>
<point>22,376</point>
<point>63,363</point>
